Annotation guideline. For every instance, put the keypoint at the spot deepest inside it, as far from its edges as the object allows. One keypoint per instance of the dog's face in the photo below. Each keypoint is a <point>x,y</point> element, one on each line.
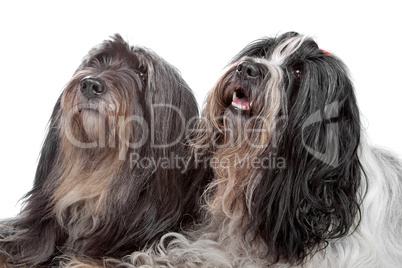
<point>285,116</point>
<point>110,100</point>
<point>109,83</point>
<point>124,111</point>
<point>279,79</point>
<point>114,172</point>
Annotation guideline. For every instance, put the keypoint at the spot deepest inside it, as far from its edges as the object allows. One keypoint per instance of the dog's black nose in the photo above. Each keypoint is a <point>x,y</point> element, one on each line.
<point>91,87</point>
<point>247,69</point>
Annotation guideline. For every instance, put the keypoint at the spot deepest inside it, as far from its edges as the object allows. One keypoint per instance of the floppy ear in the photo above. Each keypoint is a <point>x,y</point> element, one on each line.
<point>168,109</point>
<point>48,151</point>
<point>314,197</point>
<point>173,91</point>
<point>173,111</point>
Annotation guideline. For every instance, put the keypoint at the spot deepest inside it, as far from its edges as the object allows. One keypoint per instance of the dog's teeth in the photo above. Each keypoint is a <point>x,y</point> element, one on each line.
<point>241,107</point>
<point>234,95</point>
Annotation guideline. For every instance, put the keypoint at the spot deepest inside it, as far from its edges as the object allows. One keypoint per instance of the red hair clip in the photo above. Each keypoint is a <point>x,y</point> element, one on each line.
<point>325,52</point>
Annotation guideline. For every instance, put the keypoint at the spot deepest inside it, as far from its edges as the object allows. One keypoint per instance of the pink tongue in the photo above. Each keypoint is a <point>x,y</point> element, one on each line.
<point>243,101</point>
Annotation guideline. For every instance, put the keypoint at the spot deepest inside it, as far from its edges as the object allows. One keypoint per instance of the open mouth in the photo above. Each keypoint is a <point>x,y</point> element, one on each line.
<point>240,100</point>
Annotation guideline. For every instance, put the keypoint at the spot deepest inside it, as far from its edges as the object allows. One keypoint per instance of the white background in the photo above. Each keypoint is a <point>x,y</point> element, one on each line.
<point>42,43</point>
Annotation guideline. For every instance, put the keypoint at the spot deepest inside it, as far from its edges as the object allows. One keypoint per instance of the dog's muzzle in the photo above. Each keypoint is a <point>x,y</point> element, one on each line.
<point>248,70</point>
<point>91,87</point>
<point>249,74</point>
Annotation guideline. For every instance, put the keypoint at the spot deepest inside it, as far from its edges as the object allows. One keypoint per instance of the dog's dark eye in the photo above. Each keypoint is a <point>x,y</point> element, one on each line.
<point>297,70</point>
<point>143,76</point>
<point>297,73</point>
<point>142,72</point>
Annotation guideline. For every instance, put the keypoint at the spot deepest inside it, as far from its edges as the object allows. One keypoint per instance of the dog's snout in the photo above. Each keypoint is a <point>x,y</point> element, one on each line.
<point>247,69</point>
<point>91,87</point>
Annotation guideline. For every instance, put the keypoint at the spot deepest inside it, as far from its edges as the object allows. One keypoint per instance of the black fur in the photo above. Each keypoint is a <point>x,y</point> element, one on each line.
<point>300,207</point>
<point>297,207</point>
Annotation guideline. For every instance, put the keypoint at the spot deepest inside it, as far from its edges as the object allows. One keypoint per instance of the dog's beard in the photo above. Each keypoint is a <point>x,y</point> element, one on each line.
<point>102,122</point>
<point>95,138</point>
<point>240,137</point>
<point>249,129</point>
<point>95,123</point>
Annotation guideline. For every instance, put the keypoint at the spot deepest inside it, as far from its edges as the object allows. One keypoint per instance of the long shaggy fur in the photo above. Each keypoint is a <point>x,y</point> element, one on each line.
<point>296,183</point>
<point>94,194</point>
